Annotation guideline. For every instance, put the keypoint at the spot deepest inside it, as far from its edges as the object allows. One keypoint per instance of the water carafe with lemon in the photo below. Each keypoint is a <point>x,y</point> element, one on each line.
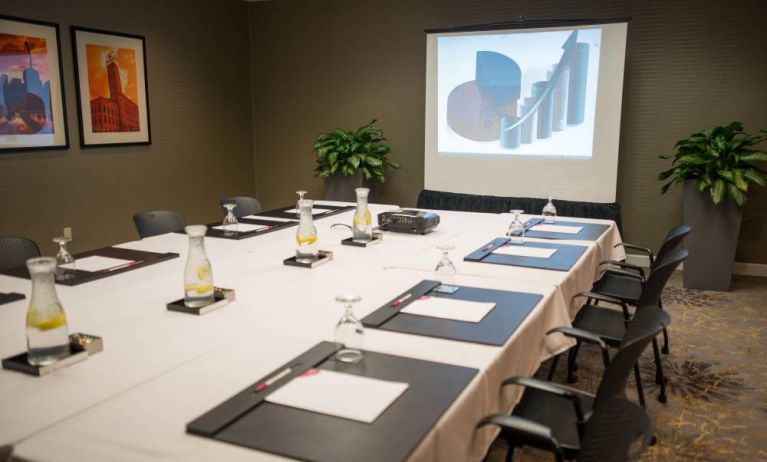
<point>306,235</point>
<point>198,276</point>
<point>47,335</point>
<point>362,229</point>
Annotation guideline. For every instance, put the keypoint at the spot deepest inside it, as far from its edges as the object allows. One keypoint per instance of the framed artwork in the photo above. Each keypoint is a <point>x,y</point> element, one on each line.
<point>112,95</point>
<point>32,112</point>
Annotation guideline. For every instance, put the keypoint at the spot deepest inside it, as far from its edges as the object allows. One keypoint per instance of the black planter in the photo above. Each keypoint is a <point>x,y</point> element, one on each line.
<point>341,188</point>
<point>713,239</point>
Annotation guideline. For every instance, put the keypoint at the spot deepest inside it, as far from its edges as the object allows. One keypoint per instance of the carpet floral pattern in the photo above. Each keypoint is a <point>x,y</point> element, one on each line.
<point>716,372</point>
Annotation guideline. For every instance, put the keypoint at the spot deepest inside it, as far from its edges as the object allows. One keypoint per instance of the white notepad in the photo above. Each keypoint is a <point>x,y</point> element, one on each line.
<point>314,211</point>
<point>244,227</point>
<point>258,217</point>
<point>97,263</point>
<point>449,308</point>
<point>525,251</point>
<point>340,395</point>
<point>557,229</point>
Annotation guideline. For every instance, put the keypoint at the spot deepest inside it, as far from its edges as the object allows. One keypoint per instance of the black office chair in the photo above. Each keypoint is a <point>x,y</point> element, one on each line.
<point>245,205</point>
<point>625,283</point>
<point>609,324</point>
<point>556,417</point>
<point>157,222</point>
<point>15,251</point>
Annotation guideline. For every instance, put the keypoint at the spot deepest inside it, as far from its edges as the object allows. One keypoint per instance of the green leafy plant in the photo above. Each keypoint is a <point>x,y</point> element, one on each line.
<point>345,152</point>
<point>720,160</point>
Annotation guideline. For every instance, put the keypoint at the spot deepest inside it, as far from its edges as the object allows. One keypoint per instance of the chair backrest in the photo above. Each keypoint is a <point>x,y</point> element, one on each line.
<point>673,239</point>
<point>157,222</point>
<point>618,431</point>
<point>245,205</point>
<point>15,251</point>
<point>640,331</point>
<point>664,268</point>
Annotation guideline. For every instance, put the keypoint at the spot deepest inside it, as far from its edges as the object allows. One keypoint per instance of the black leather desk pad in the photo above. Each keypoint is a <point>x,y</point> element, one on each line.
<point>247,420</point>
<point>511,309</point>
<point>10,297</point>
<point>562,260</point>
<point>78,277</point>
<point>329,210</point>
<point>590,231</point>
<point>272,226</point>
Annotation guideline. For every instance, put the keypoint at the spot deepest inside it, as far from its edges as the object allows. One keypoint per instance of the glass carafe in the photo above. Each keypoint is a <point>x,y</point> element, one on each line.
<point>198,275</point>
<point>362,229</point>
<point>349,331</point>
<point>47,335</point>
<point>306,235</point>
<point>549,212</point>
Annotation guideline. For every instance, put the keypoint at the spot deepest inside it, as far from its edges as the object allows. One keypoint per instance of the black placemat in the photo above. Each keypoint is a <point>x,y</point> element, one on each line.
<point>10,297</point>
<point>329,210</point>
<point>562,260</point>
<point>511,309</point>
<point>77,277</point>
<point>247,420</point>
<point>590,231</point>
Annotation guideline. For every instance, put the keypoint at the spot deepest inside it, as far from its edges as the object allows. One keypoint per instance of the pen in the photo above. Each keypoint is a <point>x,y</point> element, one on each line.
<point>401,299</point>
<point>266,383</point>
<point>124,265</point>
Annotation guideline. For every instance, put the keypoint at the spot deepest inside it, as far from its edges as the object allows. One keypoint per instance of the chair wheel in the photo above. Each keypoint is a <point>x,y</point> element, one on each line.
<point>665,350</point>
<point>575,367</point>
<point>572,379</point>
<point>654,440</point>
<point>662,398</point>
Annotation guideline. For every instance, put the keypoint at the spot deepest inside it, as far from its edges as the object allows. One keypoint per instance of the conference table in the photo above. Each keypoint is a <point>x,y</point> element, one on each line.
<point>160,369</point>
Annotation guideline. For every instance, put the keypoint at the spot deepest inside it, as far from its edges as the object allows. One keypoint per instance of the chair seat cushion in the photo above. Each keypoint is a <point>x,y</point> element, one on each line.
<point>621,287</point>
<point>608,323</point>
<point>556,413</point>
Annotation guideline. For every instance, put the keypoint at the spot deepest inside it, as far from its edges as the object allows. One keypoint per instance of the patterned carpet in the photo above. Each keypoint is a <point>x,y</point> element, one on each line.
<point>717,377</point>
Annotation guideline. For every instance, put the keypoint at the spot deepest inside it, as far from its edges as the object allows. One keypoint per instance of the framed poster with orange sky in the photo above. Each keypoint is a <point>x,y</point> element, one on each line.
<point>31,91</point>
<point>112,94</point>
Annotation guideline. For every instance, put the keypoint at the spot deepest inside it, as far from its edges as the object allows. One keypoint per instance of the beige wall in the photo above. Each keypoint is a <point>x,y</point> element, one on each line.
<point>199,91</point>
<point>321,64</point>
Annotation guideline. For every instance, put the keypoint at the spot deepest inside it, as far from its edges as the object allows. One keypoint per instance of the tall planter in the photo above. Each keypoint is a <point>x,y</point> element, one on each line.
<point>341,188</point>
<point>713,240</point>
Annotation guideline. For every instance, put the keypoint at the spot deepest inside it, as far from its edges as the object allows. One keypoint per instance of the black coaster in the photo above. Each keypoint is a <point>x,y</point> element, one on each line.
<point>377,238</point>
<point>19,362</point>
<point>10,297</point>
<point>323,257</point>
<point>219,300</point>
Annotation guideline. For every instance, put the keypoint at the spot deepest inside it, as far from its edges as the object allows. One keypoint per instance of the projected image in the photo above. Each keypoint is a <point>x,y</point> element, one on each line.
<point>522,94</point>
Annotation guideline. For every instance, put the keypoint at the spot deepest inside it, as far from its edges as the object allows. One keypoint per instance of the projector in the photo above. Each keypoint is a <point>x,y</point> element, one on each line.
<point>408,221</point>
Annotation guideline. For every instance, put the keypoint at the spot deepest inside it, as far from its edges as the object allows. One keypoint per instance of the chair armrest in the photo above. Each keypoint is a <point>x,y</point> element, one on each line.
<point>523,430</point>
<point>580,334</point>
<point>556,389</point>
<point>600,297</point>
<point>624,265</point>
<point>625,273</point>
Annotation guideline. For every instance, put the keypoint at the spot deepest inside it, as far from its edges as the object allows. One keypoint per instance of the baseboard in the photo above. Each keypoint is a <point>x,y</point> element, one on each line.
<point>741,269</point>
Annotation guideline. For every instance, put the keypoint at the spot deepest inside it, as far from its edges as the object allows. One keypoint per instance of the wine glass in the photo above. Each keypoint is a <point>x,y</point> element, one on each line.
<point>549,212</point>
<point>63,257</point>
<point>230,225</point>
<point>445,270</point>
<point>516,229</point>
<point>349,331</point>
<point>301,195</point>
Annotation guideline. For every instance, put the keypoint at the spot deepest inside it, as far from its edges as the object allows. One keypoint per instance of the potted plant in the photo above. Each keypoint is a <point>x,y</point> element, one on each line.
<point>717,166</point>
<point>351,159</point>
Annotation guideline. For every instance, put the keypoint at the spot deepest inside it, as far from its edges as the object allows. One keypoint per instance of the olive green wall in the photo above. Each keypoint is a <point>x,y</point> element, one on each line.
<point>321,64</point>
<point>200,109</point>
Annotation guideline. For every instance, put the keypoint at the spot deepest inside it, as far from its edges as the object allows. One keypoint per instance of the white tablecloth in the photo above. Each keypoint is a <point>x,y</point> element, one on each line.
<point>160,369</point>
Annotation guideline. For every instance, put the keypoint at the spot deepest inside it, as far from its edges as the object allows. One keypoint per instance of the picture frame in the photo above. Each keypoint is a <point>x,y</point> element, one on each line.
<point>112,88</point>
<point>32,101</point>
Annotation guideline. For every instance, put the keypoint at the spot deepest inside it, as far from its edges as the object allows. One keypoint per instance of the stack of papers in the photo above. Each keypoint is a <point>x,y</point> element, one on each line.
<point>98,263</point>
<point>557,229</point>
<point>245,227</point>
<point>525,251</point>
<point>341,395</point>
<point>449,308</point>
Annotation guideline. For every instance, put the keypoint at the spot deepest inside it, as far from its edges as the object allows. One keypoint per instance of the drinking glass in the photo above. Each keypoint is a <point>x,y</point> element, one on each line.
<point>549,212</point>
<point>445,270</point>
<point>63,257</point>
<point>230,225</point>
<point>516,229</point>
<point>349,332</point>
